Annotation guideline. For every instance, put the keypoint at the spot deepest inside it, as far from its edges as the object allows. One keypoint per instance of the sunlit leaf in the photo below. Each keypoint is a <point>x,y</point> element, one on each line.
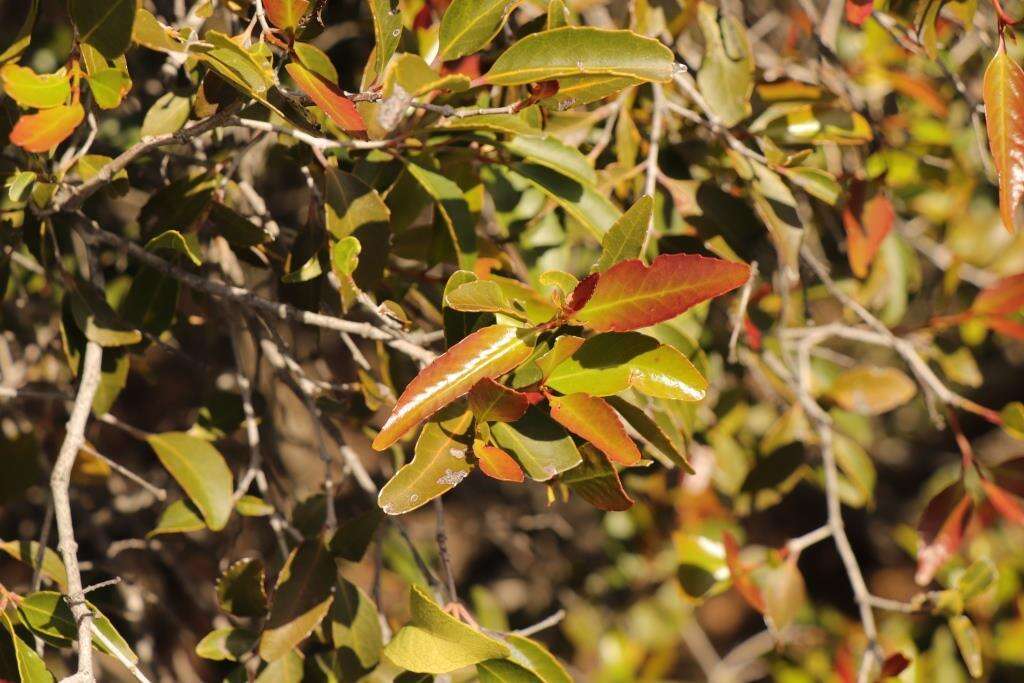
<point>47,614</point>
<point>487,353</point>
<point>496,463</point>
<point>540,445</point>
<point>438,643</point>
<point>328,97</point>
<point>726,76</point>
<point>355,623</point>
<point>538,659</point>
<point>594,420</point>
<point>491,401</point>
<point>1004,103</point>
<point>45,130</point>
<point>451,202</point>
<point>226,644</point>
<point>504,671</point>
<point>30,89</point>
<point>28,551</point>
<point>200,470</point>
<point>631,295</point>
<point>624,241</point>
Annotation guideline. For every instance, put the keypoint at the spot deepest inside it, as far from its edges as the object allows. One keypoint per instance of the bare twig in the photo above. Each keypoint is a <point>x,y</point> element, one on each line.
<point>741,312</point>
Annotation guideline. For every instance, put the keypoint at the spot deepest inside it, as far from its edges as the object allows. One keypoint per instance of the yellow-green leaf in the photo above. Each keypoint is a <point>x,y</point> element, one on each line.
<point>30,89</point>
<point>468,25</point>
<point>200,470</point>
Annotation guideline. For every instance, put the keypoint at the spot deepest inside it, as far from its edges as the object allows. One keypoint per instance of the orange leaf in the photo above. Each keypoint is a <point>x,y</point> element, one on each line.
<point>328,97</point>
<point>1004,119</point>
<point>741,578</point>
<point>941,528</point>
<point>591,418</point>
<point>631,295</point>
<point>487,353</point>
<point>867,224</point>
<point>493,401</point>
<point>858,11</point>
<point>1004,502</point>
<point>44,130</point>
<point>497,464</point>
<point>1006,327</point>
<point>1002,298</point>
<point>285,13</point>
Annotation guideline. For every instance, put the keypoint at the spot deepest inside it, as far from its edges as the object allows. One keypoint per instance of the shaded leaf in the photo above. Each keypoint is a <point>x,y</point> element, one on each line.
<point>241,588</point>
<point>941,527</point>
<point>594,420</point>
<point>106,26</point>
<point>784,594</point>
<point>631,295</point>
<point>741,578</point>
<point>439,463</point>
<point>200,470</point>
<point>28,551</point>
<point>536,657</point>
<point>492,401</point>
<point>871,390</point>
<point>173,240</point>
<point>487,353</point>
<point>596,481</point>
<point>47,614</point>
<point>436,642</point>
<point>29,666</point>
<point>301,599</point>
<point>1004,103</point>
<point>226,644</point>
<point>451,202</point>
<point>867,223</point>
<point>504,671</point>
<point>355,623</point>
<point>179,517</point>
<point>582,201</point>
<point>649,430</point>
<point>353,537</point>
<point>540,445</point>
<point>549,151</point>
<point>167,115</point>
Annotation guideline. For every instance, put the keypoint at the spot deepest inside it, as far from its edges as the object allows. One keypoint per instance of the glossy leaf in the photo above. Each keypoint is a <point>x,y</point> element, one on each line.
<point>549,151</point>
<point>540,445</point>
<point>594,420</point>
<point>487,353</point>
<point>355,623</point>
<point>469,25</point>
<point>596,481</point>
<point>439,463</point>
<point>438,643</point>
<point>481,296</point>
<point>45,130</point>
<point>387,30</point>
<point>609,363</point>
<point>872,390</point>
<point>241,589</point>
<point>631,295</point>
<point>47,614</point>
<point>106,26</point>
<point>492,401</point>
<point>328,97</point>
<point>624,241</point>
<point>200,470</point>
<point>575,51</point>
<point>30,89</point>
<point>497,464</point>
<point>813,124</point>
<point>1004,103</point>
<point>286,14</point>
<point>301,599</point>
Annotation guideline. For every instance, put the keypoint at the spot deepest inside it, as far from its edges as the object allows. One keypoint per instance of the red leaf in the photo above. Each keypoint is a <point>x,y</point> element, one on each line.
<point>1004,118</point>
<point>867,224</point>
<point>858,11</point>
<point>941,527</point>
<point>631,295</point>
<point>894,665</point>
<point>285,14</point>
<point>328,97</point>
<point>1006,327</point>
<point>581,295</point>
<point>492,401</point>
<point>497,464</point>
<point>591,418</point>
<point>1004,502</point>
<point>741,579</point>
<point>44,130</point>
<point>487,353</point>
<point>1002,298</point>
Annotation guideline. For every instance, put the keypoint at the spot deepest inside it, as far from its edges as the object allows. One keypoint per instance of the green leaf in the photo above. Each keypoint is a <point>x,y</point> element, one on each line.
<point>30,667</point>
<point>596,481</point>
<point>226,644</point>
<point>438,465</point>
<point>179,517</point>
<point>536,657</point>
<point>504,671</point>
<point>815,182</point>
<point>575,51</point>
<point>609,363</point>
<point>355,623</point>
<point>387,30</point>
<point>30,89</point>
<point>241,589</point>
<point>552,153</point>
<point>106,26</point>
<point>28,551</point>
<point>726,76</point>
<point>649,430</point>
<point>702,571</point>
<point>173,240</point>
<point>469,25</point>
<point>625,239</point>
<point>353,537</point>
<point>47,614</point>
<point>784,594</point>
<point>558,14</point>
<point>20,185</point>
<point>969,643</point>
<point>301,599</point>
<point>451,202</point>
<point>513,124</point>
<point>435,642</point>
<point>1013,419</point>
<point>482,296</point>
<point>352,205</point>
<point>540,445</point>
<point>236,228</point>
<point>316,60</point>
<point>800,124</point>
<point>24,36</point>
<point>582,201</point>
<point>234,63</point>
<point>149,32</point>
<point>109,87</point>
<point>167,115</point>
<point>487,353</point>
<point>98,321</point>
<point>200,470</point>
